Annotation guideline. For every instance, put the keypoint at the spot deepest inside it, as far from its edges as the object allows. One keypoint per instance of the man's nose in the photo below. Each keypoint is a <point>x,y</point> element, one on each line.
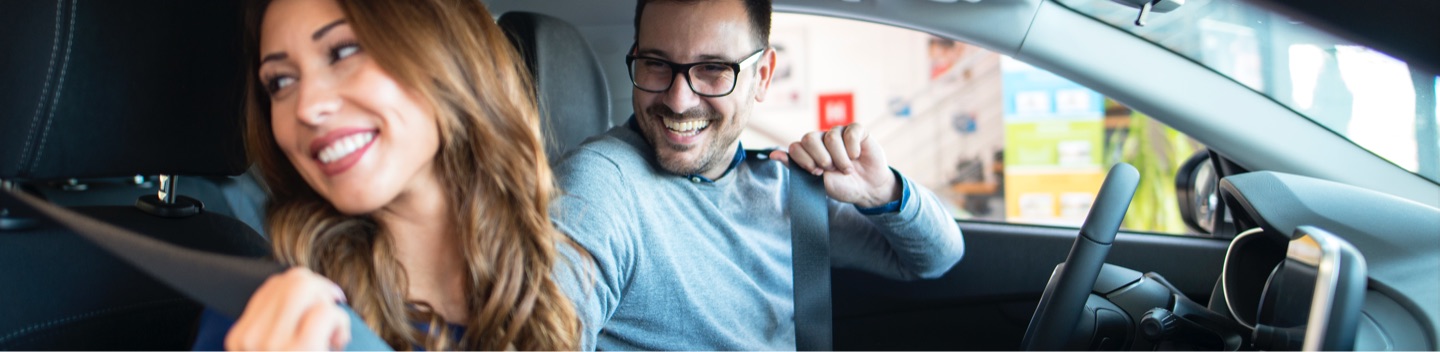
<point>680,97</point>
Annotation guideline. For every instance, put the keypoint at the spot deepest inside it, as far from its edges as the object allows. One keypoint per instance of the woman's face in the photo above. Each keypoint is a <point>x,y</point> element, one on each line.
<point>358,138</point>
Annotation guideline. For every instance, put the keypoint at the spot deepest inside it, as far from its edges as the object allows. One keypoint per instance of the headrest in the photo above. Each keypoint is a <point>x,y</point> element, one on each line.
<point>100,88</point>
<point>574,100</point>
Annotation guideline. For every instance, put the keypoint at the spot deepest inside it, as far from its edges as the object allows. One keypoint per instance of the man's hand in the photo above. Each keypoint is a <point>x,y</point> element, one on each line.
<point>294,310</point>
<point>852,164</point>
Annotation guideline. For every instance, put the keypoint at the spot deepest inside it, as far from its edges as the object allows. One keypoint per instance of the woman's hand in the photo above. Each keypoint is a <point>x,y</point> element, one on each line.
<point>294,310</point>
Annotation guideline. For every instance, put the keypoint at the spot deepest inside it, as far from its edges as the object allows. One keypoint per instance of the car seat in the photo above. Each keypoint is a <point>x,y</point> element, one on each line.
<point>574,100</point>
<point>106,90</point>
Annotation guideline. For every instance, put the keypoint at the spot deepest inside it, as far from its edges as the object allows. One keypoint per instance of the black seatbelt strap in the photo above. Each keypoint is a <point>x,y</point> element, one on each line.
<point>810,251</point>
<point>223,283</point>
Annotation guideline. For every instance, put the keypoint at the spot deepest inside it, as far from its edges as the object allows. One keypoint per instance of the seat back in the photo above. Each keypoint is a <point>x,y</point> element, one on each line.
<point>574,100</point>
<point>100,89</point>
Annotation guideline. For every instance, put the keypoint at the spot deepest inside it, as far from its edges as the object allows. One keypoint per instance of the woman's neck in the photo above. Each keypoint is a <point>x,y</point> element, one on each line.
<point>422,228</point>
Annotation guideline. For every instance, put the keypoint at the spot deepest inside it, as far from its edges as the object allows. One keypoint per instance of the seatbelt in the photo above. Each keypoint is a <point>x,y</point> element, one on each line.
<point>223,283</point>
<point>810,256</point>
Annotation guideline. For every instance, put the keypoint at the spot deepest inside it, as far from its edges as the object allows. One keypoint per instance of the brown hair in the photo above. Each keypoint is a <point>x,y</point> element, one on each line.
<point>452,55</point>
<point>758,11</point>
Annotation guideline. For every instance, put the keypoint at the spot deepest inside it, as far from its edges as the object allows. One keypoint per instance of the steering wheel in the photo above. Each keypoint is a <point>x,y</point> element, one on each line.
<point>1070,284</point>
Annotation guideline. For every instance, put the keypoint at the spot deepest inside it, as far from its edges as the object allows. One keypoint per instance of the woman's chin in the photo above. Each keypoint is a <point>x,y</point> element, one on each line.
<point>353,206</point>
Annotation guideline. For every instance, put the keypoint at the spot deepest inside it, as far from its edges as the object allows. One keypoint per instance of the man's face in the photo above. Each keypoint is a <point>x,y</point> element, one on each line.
<point>692,134</point>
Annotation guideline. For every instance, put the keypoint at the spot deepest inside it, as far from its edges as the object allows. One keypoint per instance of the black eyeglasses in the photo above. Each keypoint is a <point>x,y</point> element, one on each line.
<point>707,79</point>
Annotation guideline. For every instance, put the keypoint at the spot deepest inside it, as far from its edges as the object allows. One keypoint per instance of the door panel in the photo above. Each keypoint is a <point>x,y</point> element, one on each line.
<point>985,302</point>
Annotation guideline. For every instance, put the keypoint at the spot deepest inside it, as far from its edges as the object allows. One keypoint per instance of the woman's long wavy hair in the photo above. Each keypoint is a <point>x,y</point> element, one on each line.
<point>451,54</point>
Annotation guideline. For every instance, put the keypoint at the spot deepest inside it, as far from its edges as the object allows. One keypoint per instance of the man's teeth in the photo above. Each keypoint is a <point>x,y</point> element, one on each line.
<point>687,127</point>
<point>345,146</point>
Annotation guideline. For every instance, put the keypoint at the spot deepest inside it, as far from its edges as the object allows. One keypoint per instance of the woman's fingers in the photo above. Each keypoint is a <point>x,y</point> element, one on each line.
<point>292,310</point>
<point>322,325</point>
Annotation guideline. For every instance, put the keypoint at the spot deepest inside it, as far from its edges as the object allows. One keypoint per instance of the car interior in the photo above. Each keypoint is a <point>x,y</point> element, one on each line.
<point>128,112</point>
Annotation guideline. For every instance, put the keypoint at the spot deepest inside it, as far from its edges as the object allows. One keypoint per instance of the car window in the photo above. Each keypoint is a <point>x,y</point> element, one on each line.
<point>1370,98</point>
<point>998,139</point>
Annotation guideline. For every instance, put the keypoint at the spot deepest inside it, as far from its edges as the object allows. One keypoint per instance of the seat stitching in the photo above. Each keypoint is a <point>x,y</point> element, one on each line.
<point>64,66</point>
<point>45,89</point>
<point>87,315</point>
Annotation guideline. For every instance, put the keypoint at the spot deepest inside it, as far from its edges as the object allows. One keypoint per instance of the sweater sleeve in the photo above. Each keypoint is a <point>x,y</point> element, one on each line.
<point>920,240</point>
<point>590,212</point>
<point>211,334</point>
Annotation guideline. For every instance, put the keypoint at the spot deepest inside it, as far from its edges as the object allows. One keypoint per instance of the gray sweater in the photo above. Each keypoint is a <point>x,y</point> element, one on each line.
<point>681,263</point>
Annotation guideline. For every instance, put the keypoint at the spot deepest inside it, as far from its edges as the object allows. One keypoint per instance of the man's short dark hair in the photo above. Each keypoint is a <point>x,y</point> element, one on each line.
<point>759,11</point>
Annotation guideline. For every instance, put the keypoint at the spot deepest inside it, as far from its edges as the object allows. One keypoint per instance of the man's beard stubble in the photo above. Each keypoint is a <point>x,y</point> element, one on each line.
<point>714,149</point>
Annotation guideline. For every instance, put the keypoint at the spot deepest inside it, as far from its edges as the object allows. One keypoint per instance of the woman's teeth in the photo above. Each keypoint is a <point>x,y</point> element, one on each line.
<point>687,128</point>
<point>345,146</point>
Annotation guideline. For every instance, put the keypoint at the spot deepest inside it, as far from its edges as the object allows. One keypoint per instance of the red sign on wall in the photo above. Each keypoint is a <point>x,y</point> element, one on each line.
<point>836,110</point>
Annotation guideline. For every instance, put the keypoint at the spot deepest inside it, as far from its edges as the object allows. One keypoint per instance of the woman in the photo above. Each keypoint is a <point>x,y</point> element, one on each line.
<point>400,143</point>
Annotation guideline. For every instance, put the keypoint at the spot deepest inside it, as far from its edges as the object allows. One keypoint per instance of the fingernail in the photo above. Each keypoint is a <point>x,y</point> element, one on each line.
<point>817,172</point>
<point>340,293</point>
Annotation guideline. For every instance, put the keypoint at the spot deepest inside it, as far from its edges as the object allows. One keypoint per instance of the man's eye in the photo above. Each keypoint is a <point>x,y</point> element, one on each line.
<point>343,51</point>
<point>652,64</point>
<point>714,68</point>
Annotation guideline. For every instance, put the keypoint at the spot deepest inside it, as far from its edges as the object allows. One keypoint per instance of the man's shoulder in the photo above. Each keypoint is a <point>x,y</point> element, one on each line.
<point>619,146</point>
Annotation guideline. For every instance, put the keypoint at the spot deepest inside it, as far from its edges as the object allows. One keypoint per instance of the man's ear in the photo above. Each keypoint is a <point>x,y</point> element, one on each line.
<point>766,68</point>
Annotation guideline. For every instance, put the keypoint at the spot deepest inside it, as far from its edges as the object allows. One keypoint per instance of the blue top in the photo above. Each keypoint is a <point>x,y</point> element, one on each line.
<point>214,326</point>
<point>685,263</point>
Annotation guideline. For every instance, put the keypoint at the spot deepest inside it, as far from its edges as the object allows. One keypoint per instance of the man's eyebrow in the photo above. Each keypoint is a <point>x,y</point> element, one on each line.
<point>709,57</point>
<point>663,55</point>
<point>651,52</point>
<point>326,29</point>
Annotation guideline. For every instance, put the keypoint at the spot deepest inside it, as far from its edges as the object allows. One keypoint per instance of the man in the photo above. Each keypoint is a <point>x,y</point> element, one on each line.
<point>689,237</point>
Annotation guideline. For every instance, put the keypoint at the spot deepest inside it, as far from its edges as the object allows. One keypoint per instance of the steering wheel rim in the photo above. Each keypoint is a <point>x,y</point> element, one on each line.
<point>1070,284</point>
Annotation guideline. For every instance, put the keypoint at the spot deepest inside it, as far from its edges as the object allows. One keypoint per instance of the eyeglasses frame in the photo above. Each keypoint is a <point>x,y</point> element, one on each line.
<point>684,69</point>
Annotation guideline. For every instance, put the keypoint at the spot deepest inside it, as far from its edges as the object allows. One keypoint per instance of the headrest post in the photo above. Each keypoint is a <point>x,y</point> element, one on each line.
<point>166,203</point>
<point>167,189</point>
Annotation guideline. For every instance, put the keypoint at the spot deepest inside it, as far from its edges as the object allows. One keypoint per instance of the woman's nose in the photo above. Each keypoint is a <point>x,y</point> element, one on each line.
<point>317,101</point>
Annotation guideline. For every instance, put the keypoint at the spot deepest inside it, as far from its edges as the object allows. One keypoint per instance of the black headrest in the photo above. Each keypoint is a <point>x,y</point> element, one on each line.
<point>99,88</point>
<point>574,100</point>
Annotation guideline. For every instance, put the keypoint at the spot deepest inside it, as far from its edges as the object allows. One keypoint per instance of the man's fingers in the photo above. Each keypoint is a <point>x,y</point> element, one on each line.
<point>855,135</point>
<point>802,158</point>
<point>781,156</point>
<point>835,147</point>
<point>814,147</point>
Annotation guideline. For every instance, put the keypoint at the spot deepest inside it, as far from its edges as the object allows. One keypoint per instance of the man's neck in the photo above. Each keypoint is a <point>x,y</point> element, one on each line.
<point>722,164</point>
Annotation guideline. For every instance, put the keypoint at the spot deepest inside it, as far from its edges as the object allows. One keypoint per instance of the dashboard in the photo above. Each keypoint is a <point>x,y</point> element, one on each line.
<point>1326,266</point>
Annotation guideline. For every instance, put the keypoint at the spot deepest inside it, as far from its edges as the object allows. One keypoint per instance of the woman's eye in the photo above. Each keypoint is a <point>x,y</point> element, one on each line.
<point>343,51</point>
<point>274,85</point>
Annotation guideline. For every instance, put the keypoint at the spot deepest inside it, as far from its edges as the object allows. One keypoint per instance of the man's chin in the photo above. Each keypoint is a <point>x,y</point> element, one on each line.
<point>678,163</point>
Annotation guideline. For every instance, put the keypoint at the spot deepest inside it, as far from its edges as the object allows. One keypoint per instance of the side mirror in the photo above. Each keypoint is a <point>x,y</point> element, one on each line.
<point>1196,187</point>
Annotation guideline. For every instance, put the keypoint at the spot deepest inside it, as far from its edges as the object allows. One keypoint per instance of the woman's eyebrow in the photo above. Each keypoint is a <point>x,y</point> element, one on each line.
<point>326,29</point>
<point>316,36</point>
<point>273,57</point>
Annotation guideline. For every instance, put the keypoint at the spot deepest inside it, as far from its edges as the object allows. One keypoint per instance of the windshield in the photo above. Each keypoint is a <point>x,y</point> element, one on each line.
<point>1370,98</point>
